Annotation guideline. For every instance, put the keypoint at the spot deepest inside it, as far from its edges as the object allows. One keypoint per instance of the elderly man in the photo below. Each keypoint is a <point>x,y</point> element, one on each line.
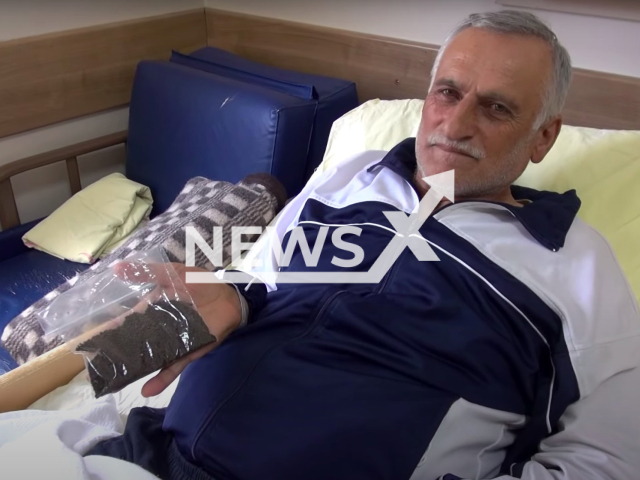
<point>514,356</point>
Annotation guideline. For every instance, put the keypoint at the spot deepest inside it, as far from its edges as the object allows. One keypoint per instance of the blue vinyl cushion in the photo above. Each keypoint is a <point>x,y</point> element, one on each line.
<point>25,279</point>
<point>334,96</point>
<point>185,122</point>
<point>201,60</point>
<point>11,243</point>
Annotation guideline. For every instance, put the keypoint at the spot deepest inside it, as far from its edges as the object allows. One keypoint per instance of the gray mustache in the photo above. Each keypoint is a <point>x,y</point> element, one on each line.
<point>465,147</point>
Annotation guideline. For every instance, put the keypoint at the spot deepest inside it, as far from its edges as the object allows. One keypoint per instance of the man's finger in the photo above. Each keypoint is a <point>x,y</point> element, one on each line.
<point>166,376</point>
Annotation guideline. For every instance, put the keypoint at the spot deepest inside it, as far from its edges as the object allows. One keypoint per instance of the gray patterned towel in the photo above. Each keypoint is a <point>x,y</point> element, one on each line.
<point>203,204</point>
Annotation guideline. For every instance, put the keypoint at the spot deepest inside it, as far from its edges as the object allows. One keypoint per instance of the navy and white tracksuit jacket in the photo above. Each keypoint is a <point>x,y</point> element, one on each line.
<point>515,354</point>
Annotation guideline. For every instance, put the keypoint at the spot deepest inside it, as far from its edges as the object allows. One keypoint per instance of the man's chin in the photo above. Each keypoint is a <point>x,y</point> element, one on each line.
<point>434,168</point>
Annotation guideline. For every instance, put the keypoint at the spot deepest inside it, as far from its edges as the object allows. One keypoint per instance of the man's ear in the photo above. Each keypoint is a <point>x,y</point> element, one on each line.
<point>545,138</point>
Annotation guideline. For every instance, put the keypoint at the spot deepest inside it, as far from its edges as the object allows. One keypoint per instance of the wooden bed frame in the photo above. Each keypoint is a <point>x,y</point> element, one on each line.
<point>8,209</point>
<point>382,67</point>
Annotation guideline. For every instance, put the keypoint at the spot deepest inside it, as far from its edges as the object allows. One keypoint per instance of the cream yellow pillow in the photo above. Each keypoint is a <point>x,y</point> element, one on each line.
<point>602,165</point>
<point>94,221</point>
<point>374,125</point>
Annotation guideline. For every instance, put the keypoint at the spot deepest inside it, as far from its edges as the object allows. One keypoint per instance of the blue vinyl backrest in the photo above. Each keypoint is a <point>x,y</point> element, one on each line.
<point>334,96</point>
<point>185,122</point>
<point>301,90</point>
<point>323,85</point>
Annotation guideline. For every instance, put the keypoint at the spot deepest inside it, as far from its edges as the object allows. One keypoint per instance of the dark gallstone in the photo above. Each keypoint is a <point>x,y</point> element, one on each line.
<point>144,343</point>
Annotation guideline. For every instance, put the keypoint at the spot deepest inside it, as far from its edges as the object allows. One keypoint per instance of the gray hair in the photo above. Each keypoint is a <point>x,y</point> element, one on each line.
<point>522,23</point>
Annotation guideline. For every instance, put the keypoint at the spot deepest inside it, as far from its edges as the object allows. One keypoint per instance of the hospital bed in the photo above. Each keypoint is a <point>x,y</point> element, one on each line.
<point>599,107</point>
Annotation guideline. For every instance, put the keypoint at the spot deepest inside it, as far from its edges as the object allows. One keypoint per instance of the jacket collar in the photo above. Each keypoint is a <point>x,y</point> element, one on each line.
<point>547,217</point>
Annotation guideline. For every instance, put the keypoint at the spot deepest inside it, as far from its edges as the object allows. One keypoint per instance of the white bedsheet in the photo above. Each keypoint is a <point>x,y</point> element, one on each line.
<point>38,445</point>
<point>78,392</point>
<point>49,438</point>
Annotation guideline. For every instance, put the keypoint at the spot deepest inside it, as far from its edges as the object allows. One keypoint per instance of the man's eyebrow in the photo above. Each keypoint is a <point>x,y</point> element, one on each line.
<point>447,82</point>
<point>487,97</point>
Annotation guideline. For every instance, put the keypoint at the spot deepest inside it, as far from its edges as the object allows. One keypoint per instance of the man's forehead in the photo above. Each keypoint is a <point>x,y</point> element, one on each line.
<point>514,64</point>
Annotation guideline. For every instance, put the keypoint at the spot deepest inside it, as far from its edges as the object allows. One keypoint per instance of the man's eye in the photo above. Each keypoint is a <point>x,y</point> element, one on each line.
<point>447,92</point>
<point>499,108</point>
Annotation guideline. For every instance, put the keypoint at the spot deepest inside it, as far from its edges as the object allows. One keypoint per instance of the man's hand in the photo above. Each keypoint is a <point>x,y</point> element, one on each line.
<point>218,304</point>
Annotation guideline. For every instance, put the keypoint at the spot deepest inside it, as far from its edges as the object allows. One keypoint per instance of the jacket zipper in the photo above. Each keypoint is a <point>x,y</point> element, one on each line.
<point>310,329</point>
<point>388,275</point>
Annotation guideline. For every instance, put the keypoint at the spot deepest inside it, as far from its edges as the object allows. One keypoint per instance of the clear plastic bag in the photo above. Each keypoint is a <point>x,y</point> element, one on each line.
<point>134,318</point>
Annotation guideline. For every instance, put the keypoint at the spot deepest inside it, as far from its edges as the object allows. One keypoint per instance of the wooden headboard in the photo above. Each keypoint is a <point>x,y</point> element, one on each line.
<point>390,68</point>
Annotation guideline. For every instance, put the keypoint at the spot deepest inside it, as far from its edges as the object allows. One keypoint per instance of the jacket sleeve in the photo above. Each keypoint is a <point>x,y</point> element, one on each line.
<point>599,437</point>
<point>253,292</point>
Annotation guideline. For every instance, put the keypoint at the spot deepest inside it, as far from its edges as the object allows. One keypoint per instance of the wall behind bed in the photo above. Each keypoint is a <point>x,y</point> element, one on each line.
<point>42,21</point>
<point>595,43</point>
<point>391,67</point>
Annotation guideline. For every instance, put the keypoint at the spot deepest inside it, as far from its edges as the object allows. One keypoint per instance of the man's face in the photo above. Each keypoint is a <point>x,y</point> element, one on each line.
<point>479,115</point>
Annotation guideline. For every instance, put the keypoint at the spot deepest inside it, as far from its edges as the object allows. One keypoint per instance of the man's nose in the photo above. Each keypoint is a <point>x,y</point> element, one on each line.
<point>460,121</point>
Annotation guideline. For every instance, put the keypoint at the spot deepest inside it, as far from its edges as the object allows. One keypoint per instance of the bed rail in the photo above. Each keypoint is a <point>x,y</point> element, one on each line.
<point>9,211</point>
<point>21,387</point>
